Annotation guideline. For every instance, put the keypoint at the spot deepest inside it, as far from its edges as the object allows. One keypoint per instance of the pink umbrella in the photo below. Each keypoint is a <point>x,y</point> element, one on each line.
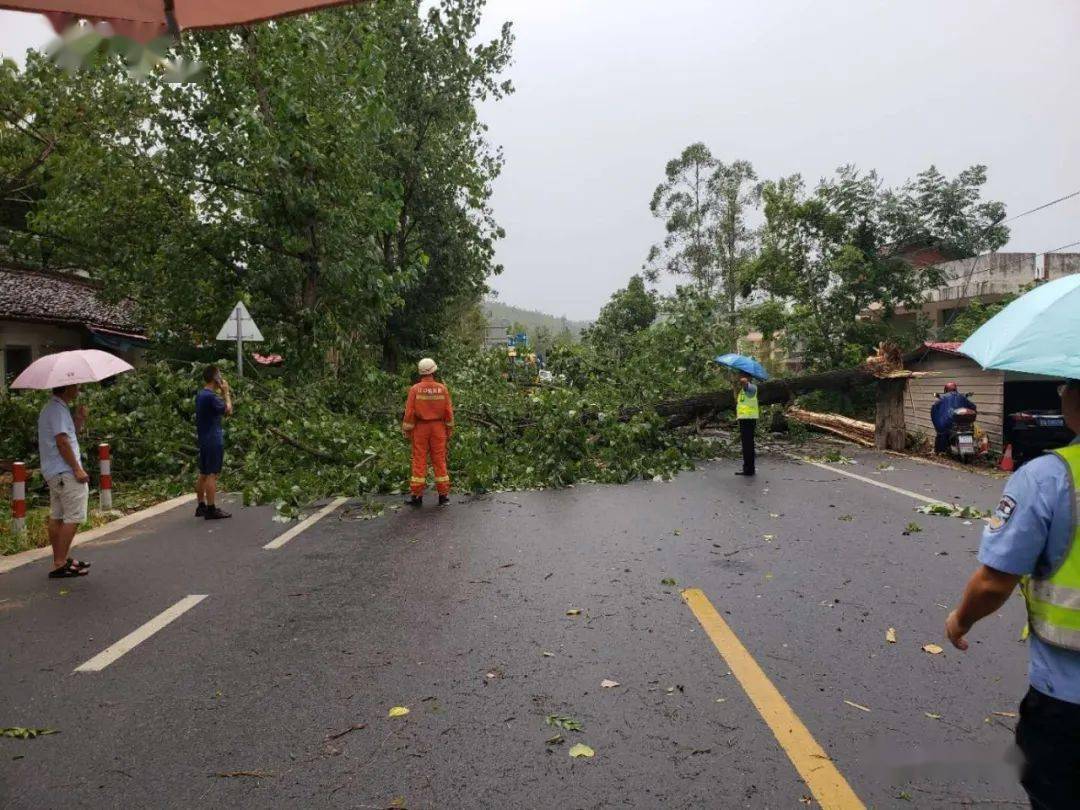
<point>70,368</point>
<point>143,20</point>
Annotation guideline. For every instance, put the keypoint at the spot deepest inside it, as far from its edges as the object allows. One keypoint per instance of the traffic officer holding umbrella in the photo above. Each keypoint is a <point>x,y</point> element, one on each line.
<point>747,410</point>
<point>1033,539</point>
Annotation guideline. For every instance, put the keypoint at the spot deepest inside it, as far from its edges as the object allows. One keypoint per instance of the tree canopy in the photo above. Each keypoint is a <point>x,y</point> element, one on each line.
<point>330,169</point>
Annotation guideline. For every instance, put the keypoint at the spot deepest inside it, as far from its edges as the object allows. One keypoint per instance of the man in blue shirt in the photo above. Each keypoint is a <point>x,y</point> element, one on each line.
<point>62,469</point>
<point>213,401</point>
<point>1031,533</point>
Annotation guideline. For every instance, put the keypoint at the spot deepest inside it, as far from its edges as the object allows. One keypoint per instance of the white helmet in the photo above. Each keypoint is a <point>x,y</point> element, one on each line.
<point>426,366</point>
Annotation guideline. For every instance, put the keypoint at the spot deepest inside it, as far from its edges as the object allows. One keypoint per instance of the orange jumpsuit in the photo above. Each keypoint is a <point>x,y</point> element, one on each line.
<point>429,421</point>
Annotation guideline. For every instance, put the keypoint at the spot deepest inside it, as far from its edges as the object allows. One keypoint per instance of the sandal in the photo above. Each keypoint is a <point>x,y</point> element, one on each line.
<point>67,570</point>
<point>79,564</point>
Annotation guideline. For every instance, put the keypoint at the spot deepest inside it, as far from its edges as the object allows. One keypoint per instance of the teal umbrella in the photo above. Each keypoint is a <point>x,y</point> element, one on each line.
<point>1038,333</point>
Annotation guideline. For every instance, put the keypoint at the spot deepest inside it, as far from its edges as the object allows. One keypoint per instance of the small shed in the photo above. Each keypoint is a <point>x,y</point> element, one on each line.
<point>996,394</point>
<point>44,311</point>
<point>987,389</point>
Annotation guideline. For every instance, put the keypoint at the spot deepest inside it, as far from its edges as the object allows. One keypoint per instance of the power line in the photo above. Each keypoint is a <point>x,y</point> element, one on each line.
<point>1041,207</point>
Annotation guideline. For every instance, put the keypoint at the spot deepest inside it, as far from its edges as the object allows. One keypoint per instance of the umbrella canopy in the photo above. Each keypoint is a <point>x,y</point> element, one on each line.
<point>1038,333</point>
<point>144,20</point>
<point>740,362</point>
<point>70,368</point>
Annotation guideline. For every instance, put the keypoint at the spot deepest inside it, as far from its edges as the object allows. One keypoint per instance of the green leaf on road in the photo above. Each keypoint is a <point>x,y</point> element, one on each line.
<point>913,528</point>
<point>667,581</point>
<point>581,750</point>
<point>563,722</point>
<point>398,711</point>
<point>574,612</point>
<point>21,733</point>
<point>558,739</point>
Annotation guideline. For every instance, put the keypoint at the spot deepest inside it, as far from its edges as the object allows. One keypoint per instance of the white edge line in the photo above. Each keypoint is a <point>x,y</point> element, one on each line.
<point>304,525</point>
<point>141,634</point>
<point>881,484</point>
<point>13,561</point>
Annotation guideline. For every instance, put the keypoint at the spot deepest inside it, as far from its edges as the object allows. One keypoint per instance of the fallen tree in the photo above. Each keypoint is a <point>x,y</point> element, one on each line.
<point>685,410</point>
<point>850,429</point>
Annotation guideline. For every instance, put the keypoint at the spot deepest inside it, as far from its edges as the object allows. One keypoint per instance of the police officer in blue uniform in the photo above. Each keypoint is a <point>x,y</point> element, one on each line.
<point>1033,538</point>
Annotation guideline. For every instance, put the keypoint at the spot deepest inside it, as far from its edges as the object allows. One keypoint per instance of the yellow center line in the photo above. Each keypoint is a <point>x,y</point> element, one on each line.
<point>818,771</point>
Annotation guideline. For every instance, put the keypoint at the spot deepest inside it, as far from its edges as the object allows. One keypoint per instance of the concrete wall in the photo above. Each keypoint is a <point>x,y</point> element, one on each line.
<point>41,338</point>
<point>987,390</point>
<point>1057,265</point>
<point>992,274</point>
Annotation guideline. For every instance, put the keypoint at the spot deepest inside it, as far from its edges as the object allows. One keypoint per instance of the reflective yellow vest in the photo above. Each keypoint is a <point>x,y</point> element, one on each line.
<point>1053,603</point>
<point>746,406</point>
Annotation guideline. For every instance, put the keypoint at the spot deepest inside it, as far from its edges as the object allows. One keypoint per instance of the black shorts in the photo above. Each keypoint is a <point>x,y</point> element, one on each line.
<point>211,458</point>
<point>1049,737</point>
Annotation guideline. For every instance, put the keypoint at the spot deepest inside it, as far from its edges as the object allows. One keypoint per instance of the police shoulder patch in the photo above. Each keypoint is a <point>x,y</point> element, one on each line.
<point>1005,508</point>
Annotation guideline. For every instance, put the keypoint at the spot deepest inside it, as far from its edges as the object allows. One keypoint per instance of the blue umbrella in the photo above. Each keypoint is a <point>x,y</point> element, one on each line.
<point>740,362</point>
<point>1038,333</point>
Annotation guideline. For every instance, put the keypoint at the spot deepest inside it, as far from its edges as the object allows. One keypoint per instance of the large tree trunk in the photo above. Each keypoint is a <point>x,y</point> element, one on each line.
<point>391,353</point>
<point>683,411</point>
<point>890,432</point>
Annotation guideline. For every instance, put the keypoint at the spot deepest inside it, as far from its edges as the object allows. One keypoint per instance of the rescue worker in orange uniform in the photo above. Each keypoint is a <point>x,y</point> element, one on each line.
<point>429,422</point>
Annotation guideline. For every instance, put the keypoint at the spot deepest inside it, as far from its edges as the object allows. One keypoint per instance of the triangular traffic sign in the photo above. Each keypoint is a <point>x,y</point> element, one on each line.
<point>240,316</point>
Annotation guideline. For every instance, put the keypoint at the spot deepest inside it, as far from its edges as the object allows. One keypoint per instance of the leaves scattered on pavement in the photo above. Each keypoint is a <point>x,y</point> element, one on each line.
<point>558,739</point>
<point>912,528</point>
<point>607,683</point>
<point>858,706</point>
<point>581,750</point>
<point>933,649</point>
<point>890,635</point>
<point>398,711</point>
<point>563,722</point>
<point>667,581</point>
<point>21,733</point>
<point>951,510</point>
<point>574,612</point>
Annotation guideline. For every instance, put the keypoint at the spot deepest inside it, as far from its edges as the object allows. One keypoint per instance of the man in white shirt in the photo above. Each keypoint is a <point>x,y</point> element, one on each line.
<point>61,467</point>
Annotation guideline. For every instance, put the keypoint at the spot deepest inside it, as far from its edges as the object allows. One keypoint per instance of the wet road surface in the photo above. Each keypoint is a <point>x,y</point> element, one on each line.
<point>274,690</point>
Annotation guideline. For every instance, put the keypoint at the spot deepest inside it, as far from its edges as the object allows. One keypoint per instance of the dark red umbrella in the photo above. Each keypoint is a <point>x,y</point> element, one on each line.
<point>144,20</point>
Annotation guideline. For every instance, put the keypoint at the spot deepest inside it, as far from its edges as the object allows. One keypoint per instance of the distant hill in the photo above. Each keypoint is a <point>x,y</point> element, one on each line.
<point>498,311</point>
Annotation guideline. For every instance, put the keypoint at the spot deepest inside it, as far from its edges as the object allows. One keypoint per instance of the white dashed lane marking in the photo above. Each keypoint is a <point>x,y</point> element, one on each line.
<point>134,639</point>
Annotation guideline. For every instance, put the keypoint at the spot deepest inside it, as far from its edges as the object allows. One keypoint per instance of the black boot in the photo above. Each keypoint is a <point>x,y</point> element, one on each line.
<point>414,500</point>
<point>444,500</point>
<point>200,510</point>
<point>214,513</point>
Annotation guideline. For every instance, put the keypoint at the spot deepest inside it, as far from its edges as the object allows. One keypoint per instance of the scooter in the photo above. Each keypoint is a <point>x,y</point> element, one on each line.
<point>962,440</point>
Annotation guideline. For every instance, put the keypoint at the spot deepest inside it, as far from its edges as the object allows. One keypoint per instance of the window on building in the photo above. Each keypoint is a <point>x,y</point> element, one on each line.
<point>16,359</point>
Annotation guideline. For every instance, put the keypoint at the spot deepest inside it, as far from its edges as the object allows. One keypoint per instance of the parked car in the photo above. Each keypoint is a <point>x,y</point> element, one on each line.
<point>1033,432</point>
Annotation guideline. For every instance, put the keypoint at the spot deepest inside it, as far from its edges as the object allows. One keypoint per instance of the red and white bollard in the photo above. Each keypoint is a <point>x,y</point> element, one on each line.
<point>18,498</point>
<point>105,470</point>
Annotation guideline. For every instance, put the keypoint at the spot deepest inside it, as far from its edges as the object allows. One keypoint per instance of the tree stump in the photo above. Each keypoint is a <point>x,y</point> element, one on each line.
<point>890,431</point>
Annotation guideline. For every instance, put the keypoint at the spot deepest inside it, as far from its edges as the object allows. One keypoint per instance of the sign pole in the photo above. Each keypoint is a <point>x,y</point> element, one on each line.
<point>239,346</point>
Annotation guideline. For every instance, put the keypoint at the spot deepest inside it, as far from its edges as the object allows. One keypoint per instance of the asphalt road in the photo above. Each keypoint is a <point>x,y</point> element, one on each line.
<point>460,615</point>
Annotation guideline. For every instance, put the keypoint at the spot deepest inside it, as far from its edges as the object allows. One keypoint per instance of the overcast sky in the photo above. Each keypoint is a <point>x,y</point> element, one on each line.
<point>609,90</point>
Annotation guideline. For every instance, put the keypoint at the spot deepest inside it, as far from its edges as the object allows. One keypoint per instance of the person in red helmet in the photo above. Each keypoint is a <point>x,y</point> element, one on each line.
<point>941,414</point>
<point>429,422</point>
